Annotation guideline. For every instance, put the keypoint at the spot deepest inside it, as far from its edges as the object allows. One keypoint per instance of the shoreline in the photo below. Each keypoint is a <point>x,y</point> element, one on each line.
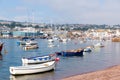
<point>110,73</point>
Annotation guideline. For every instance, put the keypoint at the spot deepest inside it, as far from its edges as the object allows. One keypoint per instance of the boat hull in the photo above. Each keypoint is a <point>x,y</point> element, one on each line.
<point>31,69</point>
<point>66,54</point>
<point>31,43</point>
<point>1,47</point>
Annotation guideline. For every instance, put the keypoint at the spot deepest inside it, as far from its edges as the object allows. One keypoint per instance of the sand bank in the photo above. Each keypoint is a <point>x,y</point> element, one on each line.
<point>112,73</point>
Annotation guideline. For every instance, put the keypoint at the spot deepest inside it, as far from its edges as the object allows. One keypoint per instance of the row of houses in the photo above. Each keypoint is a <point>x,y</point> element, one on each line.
<point>97,34</point>
<point>33,32</point>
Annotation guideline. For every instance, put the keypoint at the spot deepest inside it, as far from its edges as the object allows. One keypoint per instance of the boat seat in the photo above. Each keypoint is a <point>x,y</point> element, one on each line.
<point>34,59</point>
<point>40,58</point>
<point>45,58</point>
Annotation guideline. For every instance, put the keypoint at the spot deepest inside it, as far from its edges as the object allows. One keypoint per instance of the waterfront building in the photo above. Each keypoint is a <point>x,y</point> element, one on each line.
<point>28,31</point>
<point>6,34</point>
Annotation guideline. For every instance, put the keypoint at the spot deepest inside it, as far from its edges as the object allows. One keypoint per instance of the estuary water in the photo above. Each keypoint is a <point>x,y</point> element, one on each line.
<point>98,59</point>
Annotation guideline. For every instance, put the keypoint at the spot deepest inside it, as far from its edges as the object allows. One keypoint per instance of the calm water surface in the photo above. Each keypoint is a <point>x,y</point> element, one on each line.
<point>99,58</point>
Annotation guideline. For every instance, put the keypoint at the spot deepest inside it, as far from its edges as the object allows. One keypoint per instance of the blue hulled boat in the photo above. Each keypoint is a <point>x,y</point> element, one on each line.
<point>78,52</point>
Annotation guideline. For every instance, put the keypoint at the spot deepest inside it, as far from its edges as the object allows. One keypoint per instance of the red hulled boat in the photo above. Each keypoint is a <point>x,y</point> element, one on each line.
<point>1,46</point>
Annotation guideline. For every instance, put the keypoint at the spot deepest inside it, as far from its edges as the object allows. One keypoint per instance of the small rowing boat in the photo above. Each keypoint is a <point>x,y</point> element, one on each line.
<point>31,69</point>
<point>38,59</point>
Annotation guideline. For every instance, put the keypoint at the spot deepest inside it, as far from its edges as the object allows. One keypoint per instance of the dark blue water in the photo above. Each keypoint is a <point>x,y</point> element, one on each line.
<point>99,58</point>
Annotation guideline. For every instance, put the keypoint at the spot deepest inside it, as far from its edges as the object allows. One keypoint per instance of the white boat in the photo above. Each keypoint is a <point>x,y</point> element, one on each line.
<point>38,59</point>
<point>31,69</point>
<point>99,45</point>
<point>64,40</point>
<point>27,41</point>
<point>50,40</point>
<point>31,42</point>
<point>88,49</point>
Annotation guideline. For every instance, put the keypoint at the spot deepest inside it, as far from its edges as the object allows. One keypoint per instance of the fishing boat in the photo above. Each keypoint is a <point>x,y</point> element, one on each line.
<point>28,47</point>
<point>31,69</point>
<point>78,52</point>
<point>38,59</point>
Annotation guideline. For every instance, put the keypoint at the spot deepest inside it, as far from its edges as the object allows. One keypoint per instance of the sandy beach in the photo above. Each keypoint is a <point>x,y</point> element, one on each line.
<point>112,73</point>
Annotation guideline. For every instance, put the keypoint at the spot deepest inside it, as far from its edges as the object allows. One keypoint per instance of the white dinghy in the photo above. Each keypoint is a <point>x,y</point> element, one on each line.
<point>31,69</point>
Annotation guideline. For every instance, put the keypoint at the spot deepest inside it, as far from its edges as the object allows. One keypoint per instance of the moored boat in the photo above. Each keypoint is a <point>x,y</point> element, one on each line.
<point>98,45</point>
<point>116,39</point>
<point>31,69</point>
<point>38,59</point>
<point>27,41</point>
<point>88,49</point>
<point>78,52</point>
<point>28,47</point>
<point>50,40</point>
<point>31,42</point>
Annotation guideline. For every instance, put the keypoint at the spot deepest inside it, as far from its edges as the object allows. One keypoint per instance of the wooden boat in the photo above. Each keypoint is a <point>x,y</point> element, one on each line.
<point>78,52</point>
<point>116,39</point>
<point>28,47</point>
<point>31,69</point>
<point>38,59</point>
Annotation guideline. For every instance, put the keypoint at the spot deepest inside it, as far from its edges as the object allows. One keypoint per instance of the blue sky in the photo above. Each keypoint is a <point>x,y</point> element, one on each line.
<point>61,11</point>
